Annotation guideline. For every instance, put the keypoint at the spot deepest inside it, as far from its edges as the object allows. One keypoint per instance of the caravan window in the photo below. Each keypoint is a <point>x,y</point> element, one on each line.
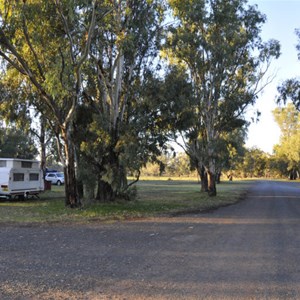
<point>2,163</point>
<point>26,164</point>
<point>34,177</point>
<point>18,176</point>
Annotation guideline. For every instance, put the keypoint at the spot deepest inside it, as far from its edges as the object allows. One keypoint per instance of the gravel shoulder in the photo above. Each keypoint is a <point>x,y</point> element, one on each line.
<point>246,251</point>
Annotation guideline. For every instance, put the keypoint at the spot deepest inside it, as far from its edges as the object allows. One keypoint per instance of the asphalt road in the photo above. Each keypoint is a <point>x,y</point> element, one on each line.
<point>250,250</point>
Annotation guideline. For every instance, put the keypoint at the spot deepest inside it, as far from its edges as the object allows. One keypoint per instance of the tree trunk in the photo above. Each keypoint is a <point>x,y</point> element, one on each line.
<point>43,145</point>
<point>203,178</point>
<point>80,189</point>
<point>293,174</point>
<point>212,191</point>
<point>211,174</point>
<point>113,182</point>
<point>72,199</point>
<point>105,192</point>
<point>218,177</point>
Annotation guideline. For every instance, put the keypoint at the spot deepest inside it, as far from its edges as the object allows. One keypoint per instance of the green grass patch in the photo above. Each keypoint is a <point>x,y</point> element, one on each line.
<point>154,197</point>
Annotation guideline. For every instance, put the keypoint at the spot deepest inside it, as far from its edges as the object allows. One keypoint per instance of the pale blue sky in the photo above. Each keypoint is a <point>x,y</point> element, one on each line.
<point>283,17</point>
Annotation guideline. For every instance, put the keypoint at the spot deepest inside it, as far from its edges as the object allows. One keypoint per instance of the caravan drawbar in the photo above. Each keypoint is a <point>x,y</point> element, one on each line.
<point>20,177</point>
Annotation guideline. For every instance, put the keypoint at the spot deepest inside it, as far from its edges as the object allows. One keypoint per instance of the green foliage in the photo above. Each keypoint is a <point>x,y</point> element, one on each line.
<point>214,42</point>
<point>255,163</point>
<point>14,103</point>
<point>288,150</point>
<point>114,135</point>
<point>15,143</point>
<point>278,166</point>
<point>230,150</point>
<point>47,43</point>
<point>92,73</point>
<point>173,165</point>
<point>290,89</point>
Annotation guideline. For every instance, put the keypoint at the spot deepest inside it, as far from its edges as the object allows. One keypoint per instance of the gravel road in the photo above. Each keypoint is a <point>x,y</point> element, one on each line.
<point>250,250</point>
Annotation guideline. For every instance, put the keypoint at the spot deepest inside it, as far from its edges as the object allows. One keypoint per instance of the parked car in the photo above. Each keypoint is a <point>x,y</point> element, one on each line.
<point>57,178</point>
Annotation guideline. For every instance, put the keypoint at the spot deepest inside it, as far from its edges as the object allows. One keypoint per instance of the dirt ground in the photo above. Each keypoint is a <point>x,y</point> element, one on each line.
<point>246,251</point>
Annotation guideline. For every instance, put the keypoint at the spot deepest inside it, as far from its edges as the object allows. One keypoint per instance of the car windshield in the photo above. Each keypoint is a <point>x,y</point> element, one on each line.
<point>60,175</point>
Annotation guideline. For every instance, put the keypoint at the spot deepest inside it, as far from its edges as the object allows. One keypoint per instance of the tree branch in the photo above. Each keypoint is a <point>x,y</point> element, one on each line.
<point>13,63</point>
<point>66,27</point>
<point>24,69</point>
<point>30,46</point>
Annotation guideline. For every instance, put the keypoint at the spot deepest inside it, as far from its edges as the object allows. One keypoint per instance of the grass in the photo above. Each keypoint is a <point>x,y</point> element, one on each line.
<point>155,197</point>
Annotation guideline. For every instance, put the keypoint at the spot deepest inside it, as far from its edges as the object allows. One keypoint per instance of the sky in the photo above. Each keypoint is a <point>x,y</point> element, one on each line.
<point>283,17</point>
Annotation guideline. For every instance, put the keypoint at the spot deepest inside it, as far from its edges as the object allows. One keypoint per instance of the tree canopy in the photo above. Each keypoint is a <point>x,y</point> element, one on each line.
<point>290,88</point>
<point>92,73</point>
<point>15,143</point>
<point>219,45</point>
<point>288,150</point>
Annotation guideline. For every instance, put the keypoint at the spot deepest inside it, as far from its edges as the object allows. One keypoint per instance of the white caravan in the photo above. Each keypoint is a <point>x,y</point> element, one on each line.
<point>20,177</point>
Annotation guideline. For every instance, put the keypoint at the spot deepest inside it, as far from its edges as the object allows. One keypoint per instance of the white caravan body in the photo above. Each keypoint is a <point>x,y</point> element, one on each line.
<point>20,177</point>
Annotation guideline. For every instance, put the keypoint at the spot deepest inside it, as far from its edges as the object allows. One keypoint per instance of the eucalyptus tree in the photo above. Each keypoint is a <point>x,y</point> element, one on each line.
<point>16,143</point>
<point>19,108</point>
<point>231,151</point>
<point>255,163</point>
<point>290,88</point>
<point>87,54</point>
<point>47,43</point>
<point>288,149</point>
<point>219,44</point>
<point>117,135</point>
